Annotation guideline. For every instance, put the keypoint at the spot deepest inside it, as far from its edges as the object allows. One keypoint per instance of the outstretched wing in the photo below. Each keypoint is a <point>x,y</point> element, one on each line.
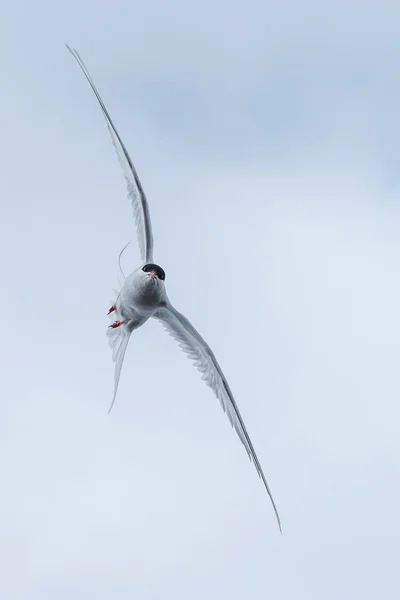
<point>191,342</point>
<point>138,198</point>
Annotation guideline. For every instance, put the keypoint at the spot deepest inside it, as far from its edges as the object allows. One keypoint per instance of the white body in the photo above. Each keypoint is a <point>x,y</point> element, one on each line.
<point>143,296</point>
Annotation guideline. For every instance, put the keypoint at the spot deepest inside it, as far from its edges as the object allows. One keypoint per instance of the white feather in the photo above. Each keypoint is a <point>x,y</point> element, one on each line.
<point>197,349</point>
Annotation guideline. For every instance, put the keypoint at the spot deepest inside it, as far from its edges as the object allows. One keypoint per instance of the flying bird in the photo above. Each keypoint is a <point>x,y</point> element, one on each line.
<point>143,296</point>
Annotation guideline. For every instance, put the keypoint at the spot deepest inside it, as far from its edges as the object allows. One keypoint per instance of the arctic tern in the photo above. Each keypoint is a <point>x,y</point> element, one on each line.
<point>143,296</point>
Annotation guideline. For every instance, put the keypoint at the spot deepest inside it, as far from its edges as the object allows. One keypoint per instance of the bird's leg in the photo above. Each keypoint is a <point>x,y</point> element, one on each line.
<point>116,324</point>
<point>111,309</point>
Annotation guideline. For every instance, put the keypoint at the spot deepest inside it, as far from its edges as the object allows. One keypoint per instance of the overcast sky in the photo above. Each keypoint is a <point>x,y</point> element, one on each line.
<point>266,136</point>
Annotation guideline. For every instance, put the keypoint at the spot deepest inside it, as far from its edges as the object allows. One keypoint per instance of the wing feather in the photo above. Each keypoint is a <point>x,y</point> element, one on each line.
<point>140,206</point>
<point>197,349</point>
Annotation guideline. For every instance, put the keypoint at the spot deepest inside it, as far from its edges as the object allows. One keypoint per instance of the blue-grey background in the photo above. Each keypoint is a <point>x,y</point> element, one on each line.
<point>266,136</point>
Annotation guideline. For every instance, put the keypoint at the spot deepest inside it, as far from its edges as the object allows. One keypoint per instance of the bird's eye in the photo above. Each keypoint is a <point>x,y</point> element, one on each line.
<point>159,271</point>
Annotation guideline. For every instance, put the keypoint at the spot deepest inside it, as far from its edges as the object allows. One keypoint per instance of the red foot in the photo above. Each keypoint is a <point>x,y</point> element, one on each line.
<point>111,309</point>
<point>116,324</point>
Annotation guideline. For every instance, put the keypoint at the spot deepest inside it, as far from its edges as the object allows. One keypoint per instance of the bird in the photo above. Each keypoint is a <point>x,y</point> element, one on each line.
<point>143,296</point>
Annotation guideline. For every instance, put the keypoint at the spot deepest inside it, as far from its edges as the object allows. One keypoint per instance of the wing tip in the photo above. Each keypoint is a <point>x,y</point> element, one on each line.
<point>72,50</point>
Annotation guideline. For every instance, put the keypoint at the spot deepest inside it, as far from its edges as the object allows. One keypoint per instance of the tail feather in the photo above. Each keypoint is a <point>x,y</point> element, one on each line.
<point>118,339</point>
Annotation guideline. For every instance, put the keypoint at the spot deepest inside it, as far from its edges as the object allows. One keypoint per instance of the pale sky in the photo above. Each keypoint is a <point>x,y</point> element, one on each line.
<point>267,140</point>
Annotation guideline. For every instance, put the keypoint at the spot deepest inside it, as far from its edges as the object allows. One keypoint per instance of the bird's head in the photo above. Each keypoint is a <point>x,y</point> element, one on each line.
<point>150,277</point>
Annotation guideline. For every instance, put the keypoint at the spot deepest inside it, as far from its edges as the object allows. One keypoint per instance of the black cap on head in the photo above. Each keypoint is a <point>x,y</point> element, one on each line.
<point>159,271</point>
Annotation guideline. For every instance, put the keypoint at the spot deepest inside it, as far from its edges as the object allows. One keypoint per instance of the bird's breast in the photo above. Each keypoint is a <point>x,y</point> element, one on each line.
<point>143,297</point>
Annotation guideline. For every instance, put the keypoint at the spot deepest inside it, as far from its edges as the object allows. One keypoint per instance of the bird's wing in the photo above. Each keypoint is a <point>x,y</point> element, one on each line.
<point>138,198</point>
<point>195,347</point>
